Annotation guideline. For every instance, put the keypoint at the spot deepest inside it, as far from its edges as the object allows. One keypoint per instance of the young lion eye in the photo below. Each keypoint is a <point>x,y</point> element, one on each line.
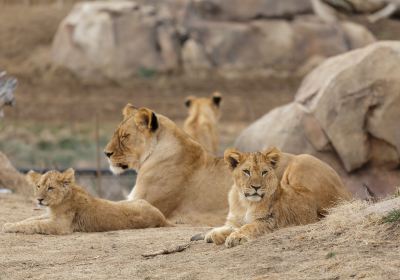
<point>49,189</point>
<point>247,172</point>
<point>265,172</point>
<point>38,186</point>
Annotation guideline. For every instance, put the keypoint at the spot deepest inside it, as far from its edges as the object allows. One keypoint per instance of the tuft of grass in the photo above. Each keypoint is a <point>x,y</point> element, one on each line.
<point>392,217</point>
<point>330,255</point>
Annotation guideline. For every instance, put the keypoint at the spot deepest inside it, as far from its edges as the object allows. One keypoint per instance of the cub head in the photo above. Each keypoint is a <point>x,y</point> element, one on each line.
<point>254,173</point>
<point>205,104</point>
<point>51,188</point>
<point>132,140</point>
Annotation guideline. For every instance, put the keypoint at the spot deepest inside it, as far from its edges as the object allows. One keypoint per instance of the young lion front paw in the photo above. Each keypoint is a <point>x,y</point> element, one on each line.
<point>235,238</point>
<point>217,235</point>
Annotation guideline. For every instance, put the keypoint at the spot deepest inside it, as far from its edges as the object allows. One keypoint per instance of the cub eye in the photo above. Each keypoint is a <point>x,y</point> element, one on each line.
<point>50,189</point>
<point>125,136</point>
<point>38,186</point>
<point>247,172</point>
<point>265,172</point>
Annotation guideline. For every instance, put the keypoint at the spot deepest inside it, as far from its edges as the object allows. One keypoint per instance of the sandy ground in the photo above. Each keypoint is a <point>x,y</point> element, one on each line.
<point>308,252</point>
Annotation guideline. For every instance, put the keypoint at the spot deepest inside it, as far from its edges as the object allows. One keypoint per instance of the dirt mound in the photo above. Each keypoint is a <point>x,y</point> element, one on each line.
<point>11,179</point>
<point>345,245</point>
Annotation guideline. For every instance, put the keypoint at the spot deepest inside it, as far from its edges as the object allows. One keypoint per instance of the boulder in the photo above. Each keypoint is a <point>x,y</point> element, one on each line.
<point>239,10</point>
<point>345,112</point>
<point>268,44</point>
<point>11,179</point>
<point>115,40</point>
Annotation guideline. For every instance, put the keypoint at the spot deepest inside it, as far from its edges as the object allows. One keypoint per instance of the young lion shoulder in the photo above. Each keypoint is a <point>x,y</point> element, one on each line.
<point>274,190</point>
<point>72,209</point>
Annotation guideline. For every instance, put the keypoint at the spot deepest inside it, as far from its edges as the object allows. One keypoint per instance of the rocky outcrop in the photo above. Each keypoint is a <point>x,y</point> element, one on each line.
<point>345,112</point>
<point>121,39</point>
<point>116,40</point>
<point>11,179</point>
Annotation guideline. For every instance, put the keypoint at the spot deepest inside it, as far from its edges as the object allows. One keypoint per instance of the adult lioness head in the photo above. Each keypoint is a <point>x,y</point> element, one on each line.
<point>254,173</point>
<point>132,140</point>
<point>51,188</point>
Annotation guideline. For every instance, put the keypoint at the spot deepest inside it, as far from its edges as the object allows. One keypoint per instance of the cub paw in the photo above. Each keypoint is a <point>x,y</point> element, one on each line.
<point>235,239</point>
<point>215,236</point>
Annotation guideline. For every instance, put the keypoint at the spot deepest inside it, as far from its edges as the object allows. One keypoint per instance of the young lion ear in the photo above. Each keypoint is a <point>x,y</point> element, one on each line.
<point>273,155</point>
<point>232,157</point>
<point>189,100</point>
<point>146,119</point>
<point>33,177</point>
<point>128,110</point>
<point>216,98</point>
<point>68,177</point>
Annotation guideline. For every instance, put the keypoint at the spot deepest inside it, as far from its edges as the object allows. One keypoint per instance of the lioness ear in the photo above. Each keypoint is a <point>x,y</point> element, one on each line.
<point>68,177</point>
<point>33,177</point>
<point>232,157</point>
<point>128,110</point>
<point>216,98</point>
<point>273,155</point>
<point>146,119</point>
<point>189,100</point>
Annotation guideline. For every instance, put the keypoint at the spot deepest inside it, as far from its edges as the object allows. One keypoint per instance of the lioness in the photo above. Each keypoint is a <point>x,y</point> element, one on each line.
<point>175,173</point>
<point>202,122</point>
<point>260,202</point>
<point>71,209</point>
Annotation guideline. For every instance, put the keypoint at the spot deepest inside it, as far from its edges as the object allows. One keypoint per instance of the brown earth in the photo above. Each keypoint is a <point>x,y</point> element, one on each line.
<point>344,246</point>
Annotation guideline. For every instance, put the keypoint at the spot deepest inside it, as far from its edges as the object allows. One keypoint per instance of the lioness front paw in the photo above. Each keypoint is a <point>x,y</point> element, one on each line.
<point>235,238</point>
<point>216,236</point>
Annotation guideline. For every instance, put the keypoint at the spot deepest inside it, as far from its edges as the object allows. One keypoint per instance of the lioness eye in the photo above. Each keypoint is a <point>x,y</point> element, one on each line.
<point>50,189</point>
<point>247,172</point>
<point>38,186</point>
<point>264,173</point>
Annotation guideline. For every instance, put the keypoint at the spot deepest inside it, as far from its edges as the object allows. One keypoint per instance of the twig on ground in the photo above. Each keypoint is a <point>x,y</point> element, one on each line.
<point>167,251</point>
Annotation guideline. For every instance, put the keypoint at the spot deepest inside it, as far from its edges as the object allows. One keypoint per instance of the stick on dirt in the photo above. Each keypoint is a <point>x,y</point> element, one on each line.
<point>167,251</point>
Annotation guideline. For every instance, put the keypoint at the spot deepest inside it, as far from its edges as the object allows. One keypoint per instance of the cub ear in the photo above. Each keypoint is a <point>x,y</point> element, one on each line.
<point>146,119</point>
<point>232,157</point>
<point>68,177</point>
<point>128,110</point>
<point>189,101</point>
<point>273,155</point>
<point>33,177</point>
<point>216,98</point>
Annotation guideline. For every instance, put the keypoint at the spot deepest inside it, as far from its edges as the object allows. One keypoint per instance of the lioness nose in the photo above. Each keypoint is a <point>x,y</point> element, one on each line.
<point>40,200</point>
<point>108,154</point>
<point>255,187</point>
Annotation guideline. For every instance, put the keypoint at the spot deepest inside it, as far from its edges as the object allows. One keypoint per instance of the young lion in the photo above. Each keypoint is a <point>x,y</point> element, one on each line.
<point>71,209</point>
<point>201,124</point>
<point>259,202</point>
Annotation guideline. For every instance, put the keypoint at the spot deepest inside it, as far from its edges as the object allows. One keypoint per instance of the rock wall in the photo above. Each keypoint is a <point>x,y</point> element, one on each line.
<point>121,39</point>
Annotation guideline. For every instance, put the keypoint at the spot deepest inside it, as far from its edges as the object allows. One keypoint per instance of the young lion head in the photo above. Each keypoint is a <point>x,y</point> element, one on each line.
<point>205,105</point>
<point>132,140</point>
<point>254,173</point>
<point>51,188</point>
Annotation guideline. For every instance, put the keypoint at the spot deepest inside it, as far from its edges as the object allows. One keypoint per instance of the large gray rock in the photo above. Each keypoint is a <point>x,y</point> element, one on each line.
<point>346,112</point>
<point>268,44</point>
<point>116,40</point>
<point>239,10</point>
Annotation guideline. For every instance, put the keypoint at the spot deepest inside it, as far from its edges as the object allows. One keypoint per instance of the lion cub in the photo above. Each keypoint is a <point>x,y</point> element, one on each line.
<point>273,190</point>
<point>202,122</point>
<point>71,209</point>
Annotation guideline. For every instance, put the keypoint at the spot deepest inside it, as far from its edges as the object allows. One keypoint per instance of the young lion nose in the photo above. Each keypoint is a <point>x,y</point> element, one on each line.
<point>40,200</point>
<point>256,187</point>
<point>108,154</point>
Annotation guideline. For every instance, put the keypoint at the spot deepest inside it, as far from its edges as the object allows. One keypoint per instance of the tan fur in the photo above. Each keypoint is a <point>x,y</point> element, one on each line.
<point>175,173</point>
<point>202,121</point>
<point>306,189</point>
<point>71,208</point>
